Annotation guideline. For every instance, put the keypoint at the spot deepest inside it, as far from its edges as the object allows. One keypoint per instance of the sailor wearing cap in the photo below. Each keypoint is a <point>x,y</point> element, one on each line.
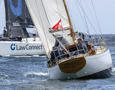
<point>62,40</point>
<point>82,46</point>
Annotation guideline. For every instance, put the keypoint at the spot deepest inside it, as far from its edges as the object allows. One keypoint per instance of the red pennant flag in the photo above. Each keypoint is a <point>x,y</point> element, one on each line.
<point>58,25</point>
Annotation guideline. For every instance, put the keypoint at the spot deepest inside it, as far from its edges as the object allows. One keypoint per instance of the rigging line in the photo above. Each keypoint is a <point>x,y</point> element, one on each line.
<point>84,20</point>
<point>80,5</point>
<point>89,20</point>
<point>86,24</point>
<point>83,10</point>
<point>99,26</point>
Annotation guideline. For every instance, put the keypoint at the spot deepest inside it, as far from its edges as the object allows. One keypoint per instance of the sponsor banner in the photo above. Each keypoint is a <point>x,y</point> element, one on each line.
<point>14,47</point>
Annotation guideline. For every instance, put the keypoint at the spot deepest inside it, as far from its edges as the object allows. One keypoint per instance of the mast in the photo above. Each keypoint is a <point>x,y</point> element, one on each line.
<point>72,33</point>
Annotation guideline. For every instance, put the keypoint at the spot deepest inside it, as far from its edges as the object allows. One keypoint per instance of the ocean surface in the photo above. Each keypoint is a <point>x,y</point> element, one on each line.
<point>30,73</point>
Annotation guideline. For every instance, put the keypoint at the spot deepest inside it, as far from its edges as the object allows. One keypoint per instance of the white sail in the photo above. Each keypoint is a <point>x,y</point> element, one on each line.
<point>2,16</point>
<point>55,10</point>
<point>46,14</point>
<point>40,20</point>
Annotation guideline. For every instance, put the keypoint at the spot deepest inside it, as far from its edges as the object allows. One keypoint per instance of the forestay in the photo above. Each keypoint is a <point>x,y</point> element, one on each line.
<point>46,14</point>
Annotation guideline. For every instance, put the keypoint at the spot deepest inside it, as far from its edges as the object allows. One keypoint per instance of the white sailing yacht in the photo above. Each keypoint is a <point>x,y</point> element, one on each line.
<point>71,60</point>
<point>15,18</point>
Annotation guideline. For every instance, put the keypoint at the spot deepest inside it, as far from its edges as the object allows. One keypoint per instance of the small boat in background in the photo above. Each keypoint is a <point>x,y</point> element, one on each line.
<point>16,40</point>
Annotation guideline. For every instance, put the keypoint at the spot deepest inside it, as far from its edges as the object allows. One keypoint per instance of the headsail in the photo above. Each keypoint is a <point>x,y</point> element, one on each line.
<point>46,14</point>
<point>17,17</point>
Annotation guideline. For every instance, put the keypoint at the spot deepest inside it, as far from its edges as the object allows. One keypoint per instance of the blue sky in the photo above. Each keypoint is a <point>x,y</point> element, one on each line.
<point>105,10</point>
<point>106,13</point>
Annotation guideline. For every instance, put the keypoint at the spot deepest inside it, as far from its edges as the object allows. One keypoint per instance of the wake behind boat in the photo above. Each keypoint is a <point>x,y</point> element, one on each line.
<point>16,40</point>
<point>70,57</point>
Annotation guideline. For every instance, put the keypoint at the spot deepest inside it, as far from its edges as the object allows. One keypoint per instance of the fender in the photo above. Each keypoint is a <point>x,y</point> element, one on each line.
<point>17,11</point>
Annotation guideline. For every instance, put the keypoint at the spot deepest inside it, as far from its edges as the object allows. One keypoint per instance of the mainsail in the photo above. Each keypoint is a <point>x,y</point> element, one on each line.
<point>46,14</point>
<point>17,18</point>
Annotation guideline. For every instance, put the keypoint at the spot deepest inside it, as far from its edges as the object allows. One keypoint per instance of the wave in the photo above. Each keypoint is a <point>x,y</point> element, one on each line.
<point>4,77</point>
<point>113,69</point>
<point>112,53</point>
<point>21,56</point>
<point>35,74</point>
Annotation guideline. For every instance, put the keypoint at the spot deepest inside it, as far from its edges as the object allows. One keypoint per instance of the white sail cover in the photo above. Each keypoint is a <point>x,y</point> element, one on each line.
<point>46,14</point>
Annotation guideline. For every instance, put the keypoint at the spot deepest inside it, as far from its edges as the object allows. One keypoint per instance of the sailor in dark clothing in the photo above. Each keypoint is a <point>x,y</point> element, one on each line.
<point>5,34</point>
<point>81,35</point>
<point>57,52</point>
<point>62,40</point>
<point>82,47</point>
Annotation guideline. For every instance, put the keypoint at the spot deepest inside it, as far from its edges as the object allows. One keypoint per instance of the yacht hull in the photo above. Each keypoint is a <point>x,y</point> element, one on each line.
<point>26,47</point>
<point>98,66</point>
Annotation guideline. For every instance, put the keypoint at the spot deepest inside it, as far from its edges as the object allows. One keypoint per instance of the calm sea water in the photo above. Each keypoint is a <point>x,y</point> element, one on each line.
<point>30,73</point>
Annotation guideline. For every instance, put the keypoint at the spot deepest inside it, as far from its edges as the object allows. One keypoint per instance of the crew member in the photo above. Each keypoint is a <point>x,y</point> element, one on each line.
<point>57,52</point>
<point>34,34</point>
<point>5,34</point>
<point>82,47</point>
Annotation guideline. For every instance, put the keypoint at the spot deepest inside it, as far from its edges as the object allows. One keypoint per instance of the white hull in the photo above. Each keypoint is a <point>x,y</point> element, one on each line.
<point>21,48</point>
<point>94,64</point>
